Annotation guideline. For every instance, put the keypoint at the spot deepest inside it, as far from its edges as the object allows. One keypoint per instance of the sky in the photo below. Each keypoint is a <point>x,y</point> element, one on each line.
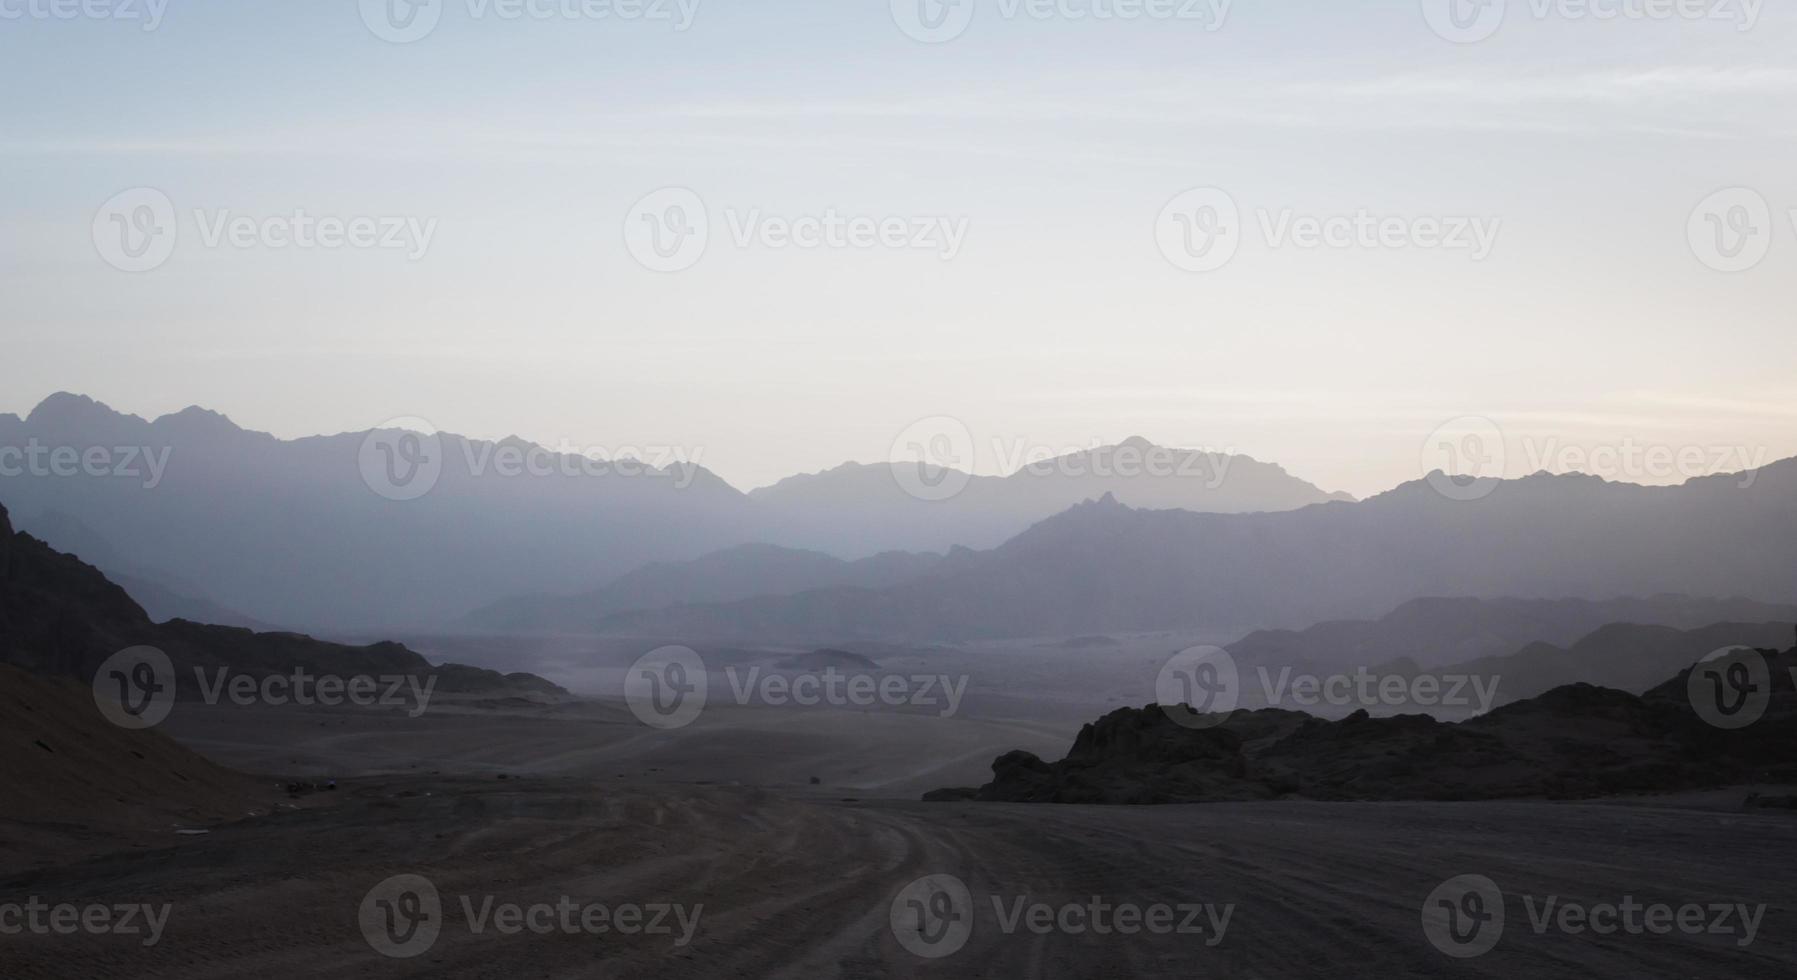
<point>1334,234</point>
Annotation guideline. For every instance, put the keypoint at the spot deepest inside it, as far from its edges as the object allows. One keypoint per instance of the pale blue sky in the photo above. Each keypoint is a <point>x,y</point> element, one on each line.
<point>1058,324</point>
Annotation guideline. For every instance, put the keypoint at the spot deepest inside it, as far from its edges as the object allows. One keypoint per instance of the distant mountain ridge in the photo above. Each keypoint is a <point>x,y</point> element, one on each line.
<point>864,508</point>
<point>1103,567</point>
<point>742,572</point>
<point>290,531</point>
<point>1433,632</point>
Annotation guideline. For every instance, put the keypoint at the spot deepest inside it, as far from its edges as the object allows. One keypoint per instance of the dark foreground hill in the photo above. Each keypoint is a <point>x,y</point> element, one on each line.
<point>1573,742</point>
<point>75,782</point>
<point>61,616</point>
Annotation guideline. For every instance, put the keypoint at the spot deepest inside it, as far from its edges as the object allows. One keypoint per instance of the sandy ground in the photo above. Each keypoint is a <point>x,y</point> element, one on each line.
<point>784,877</point>
<point>793,888</point>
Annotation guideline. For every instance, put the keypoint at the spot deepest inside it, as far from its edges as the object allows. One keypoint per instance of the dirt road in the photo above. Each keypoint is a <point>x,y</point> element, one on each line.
<point>774,886</point>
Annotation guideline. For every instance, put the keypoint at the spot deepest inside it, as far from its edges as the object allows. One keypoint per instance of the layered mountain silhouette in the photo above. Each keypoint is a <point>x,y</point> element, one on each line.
<point>288,531</point>
<point>864,508</point>
<point>1573,742</point>
<point>1433,632</point>
<point>1629,657</point>
<point>267,530</point>
<point>61,616</point>
<point>743,572</point>
<point>1105,567</point>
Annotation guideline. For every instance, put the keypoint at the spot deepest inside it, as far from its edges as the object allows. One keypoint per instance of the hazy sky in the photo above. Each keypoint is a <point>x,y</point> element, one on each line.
<point>1048,146</point>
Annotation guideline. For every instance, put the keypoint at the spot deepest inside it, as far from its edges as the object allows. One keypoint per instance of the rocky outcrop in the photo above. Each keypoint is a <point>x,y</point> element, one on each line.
<point>1574,742</point>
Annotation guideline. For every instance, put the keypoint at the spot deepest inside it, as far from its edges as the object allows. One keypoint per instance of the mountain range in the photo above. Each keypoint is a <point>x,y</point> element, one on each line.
<point>294,532</point>
<point>1435,632</point>
<point>1104,567</point>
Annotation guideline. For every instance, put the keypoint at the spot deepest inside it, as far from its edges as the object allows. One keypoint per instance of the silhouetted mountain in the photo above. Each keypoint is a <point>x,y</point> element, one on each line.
<point>59,615</point>
<point>163,595</point>
<point>288,531</point>
<point>295,532</point>
<point>1625,656</point>
<point>1574,742</point>
<point>1432,632</point>
<point>736,573</point>
<point>862,508</point>
<point>1102,567</point>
